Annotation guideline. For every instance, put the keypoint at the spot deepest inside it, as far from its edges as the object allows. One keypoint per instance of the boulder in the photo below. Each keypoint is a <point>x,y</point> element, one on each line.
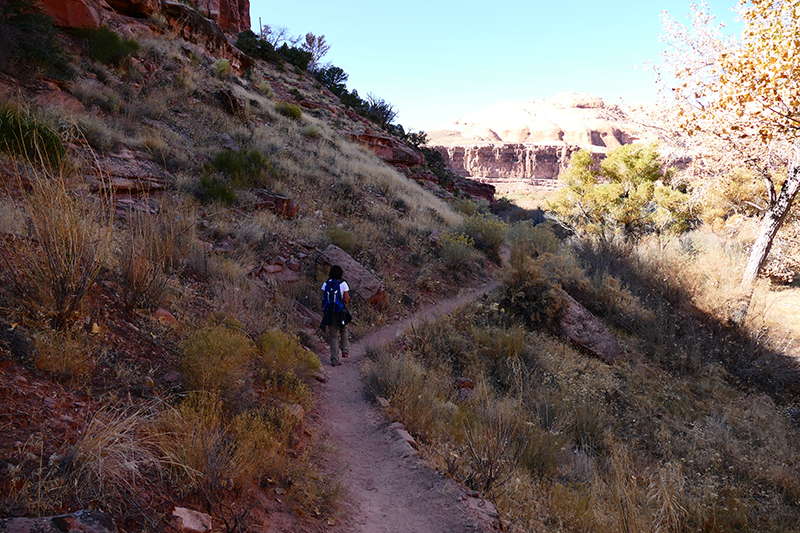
<point>280,205</point>
<point>390,149</point>
<point>55,97</point>
<point>79,522</point>
<point>586,331</point>
<point>74,13</point>
<point>360,280</point>
<point>166,318</point>
<point>189,521</point>
<point>135,8</point>
<point>482,511</point>
<point>130,172</point>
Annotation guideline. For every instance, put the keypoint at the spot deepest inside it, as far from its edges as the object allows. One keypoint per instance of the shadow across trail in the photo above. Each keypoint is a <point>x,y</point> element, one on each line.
<point>386,487</point>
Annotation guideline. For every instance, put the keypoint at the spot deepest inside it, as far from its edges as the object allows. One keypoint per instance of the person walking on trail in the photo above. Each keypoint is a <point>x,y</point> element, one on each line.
<point>335,297</point>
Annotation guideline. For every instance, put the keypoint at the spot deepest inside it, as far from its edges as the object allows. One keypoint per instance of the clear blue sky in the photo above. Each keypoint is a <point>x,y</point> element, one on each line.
<point>438,61</point>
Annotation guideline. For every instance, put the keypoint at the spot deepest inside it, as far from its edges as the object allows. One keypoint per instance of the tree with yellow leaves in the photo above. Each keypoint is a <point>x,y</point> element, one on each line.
<point>745,94</point>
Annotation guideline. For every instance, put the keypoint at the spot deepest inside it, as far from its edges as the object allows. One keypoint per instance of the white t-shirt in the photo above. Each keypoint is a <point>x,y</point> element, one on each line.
<point>343,288</point>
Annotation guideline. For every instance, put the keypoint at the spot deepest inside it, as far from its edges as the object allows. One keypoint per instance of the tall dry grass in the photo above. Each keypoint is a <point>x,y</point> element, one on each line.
<point>67,244</point>
<point>682,436</point>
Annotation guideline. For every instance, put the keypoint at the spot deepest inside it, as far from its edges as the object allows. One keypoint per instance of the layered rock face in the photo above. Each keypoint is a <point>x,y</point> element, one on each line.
<point>532,142</point>
<point>232,16</point>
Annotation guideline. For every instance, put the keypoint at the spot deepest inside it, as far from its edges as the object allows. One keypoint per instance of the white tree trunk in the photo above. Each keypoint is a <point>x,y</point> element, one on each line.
<point>770,224</point>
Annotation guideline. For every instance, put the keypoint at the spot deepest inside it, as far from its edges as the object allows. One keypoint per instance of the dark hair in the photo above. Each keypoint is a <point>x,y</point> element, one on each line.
<point>336,272</point>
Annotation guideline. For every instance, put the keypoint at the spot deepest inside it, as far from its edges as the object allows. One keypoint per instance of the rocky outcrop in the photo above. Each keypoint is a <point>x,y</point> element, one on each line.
<point>390,149</point>
<point>280,205</point>
<point>232,16</point>
<point>587,332</point>
<point>360,280</point>
<point>75,13</point>
<point>191,25</point>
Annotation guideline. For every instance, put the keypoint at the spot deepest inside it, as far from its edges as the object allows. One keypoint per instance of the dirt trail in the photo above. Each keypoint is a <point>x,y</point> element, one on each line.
<point>386,489</point>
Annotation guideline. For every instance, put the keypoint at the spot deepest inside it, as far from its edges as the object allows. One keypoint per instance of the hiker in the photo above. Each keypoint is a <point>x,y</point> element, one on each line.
<point>335,297</point>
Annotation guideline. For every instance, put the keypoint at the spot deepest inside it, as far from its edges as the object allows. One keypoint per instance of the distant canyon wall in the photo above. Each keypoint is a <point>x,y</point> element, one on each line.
<point>531,165</point>
<point>527,144</point>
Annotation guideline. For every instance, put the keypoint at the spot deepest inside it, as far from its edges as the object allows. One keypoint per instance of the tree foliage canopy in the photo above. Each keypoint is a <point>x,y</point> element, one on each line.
<point>744,93</point>
<point>627,193</point>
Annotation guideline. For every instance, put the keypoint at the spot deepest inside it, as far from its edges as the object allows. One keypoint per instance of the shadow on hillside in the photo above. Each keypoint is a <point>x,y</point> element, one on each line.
<point>681,338</point>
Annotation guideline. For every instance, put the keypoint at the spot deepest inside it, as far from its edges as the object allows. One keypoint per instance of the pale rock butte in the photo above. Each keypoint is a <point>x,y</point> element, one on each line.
<point>528,144</point>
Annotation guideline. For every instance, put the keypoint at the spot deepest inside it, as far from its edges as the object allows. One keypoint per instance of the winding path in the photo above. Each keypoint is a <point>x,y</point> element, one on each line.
<point>386,488</point>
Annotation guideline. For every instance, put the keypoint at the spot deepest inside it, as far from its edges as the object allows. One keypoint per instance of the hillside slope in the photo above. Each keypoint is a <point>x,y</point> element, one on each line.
<point>152,349</point>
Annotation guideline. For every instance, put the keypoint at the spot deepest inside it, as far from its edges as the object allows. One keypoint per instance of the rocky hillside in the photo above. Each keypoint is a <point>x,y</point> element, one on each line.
<point>170,208</point>
<point>529,143</point>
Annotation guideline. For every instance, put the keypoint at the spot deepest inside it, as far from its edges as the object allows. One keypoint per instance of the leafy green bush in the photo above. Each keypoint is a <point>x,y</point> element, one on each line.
<point>458,250</point>
<point>488,232</point>
<point>216,357</point>
<point>106,46</point>
<point>215,189</point>
<point>252,45</point>
<point>289,110</point>
<point>22,134</point>
<point>531,296</point>
<point>249,43</point>
<point>222,68</point>
<point>628,193</point>
<point>342,238</point>
<point>244,168</point>
<point>31,44</point>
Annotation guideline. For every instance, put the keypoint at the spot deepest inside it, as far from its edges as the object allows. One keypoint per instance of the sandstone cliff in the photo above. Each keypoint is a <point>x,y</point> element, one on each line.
<point>530,143</point>
<point>232,16</point>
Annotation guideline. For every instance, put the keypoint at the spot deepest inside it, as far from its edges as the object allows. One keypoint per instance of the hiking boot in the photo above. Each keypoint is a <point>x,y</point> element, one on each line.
<point>345,354</point>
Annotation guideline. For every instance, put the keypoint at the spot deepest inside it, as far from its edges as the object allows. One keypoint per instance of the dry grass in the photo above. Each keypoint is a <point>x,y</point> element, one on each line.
<point>666,441</point>
<point>216,358</point>
<point>114,457</point>
<point>67,356</point>
<point>68,244</point>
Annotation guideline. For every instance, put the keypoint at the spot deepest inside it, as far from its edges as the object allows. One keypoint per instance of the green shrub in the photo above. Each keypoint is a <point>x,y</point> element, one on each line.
<point>31,43</point>
<point>214,189</point>
<point>628,193</point>
<point>531,296</point>
<point>22,134</point>
<point>216,357</point>
<point>106,46</point>
<point>535,239</point>
<point>244,168</point>
<point>458,250</point>
<point>488,232</point>
<point>342,238</point>
<point>222,68</point>
<point>289,110</point>
<point>286,363</point>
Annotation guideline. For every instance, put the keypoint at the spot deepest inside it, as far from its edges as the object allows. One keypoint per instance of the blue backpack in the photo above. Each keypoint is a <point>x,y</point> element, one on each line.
<point>331,298</point>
